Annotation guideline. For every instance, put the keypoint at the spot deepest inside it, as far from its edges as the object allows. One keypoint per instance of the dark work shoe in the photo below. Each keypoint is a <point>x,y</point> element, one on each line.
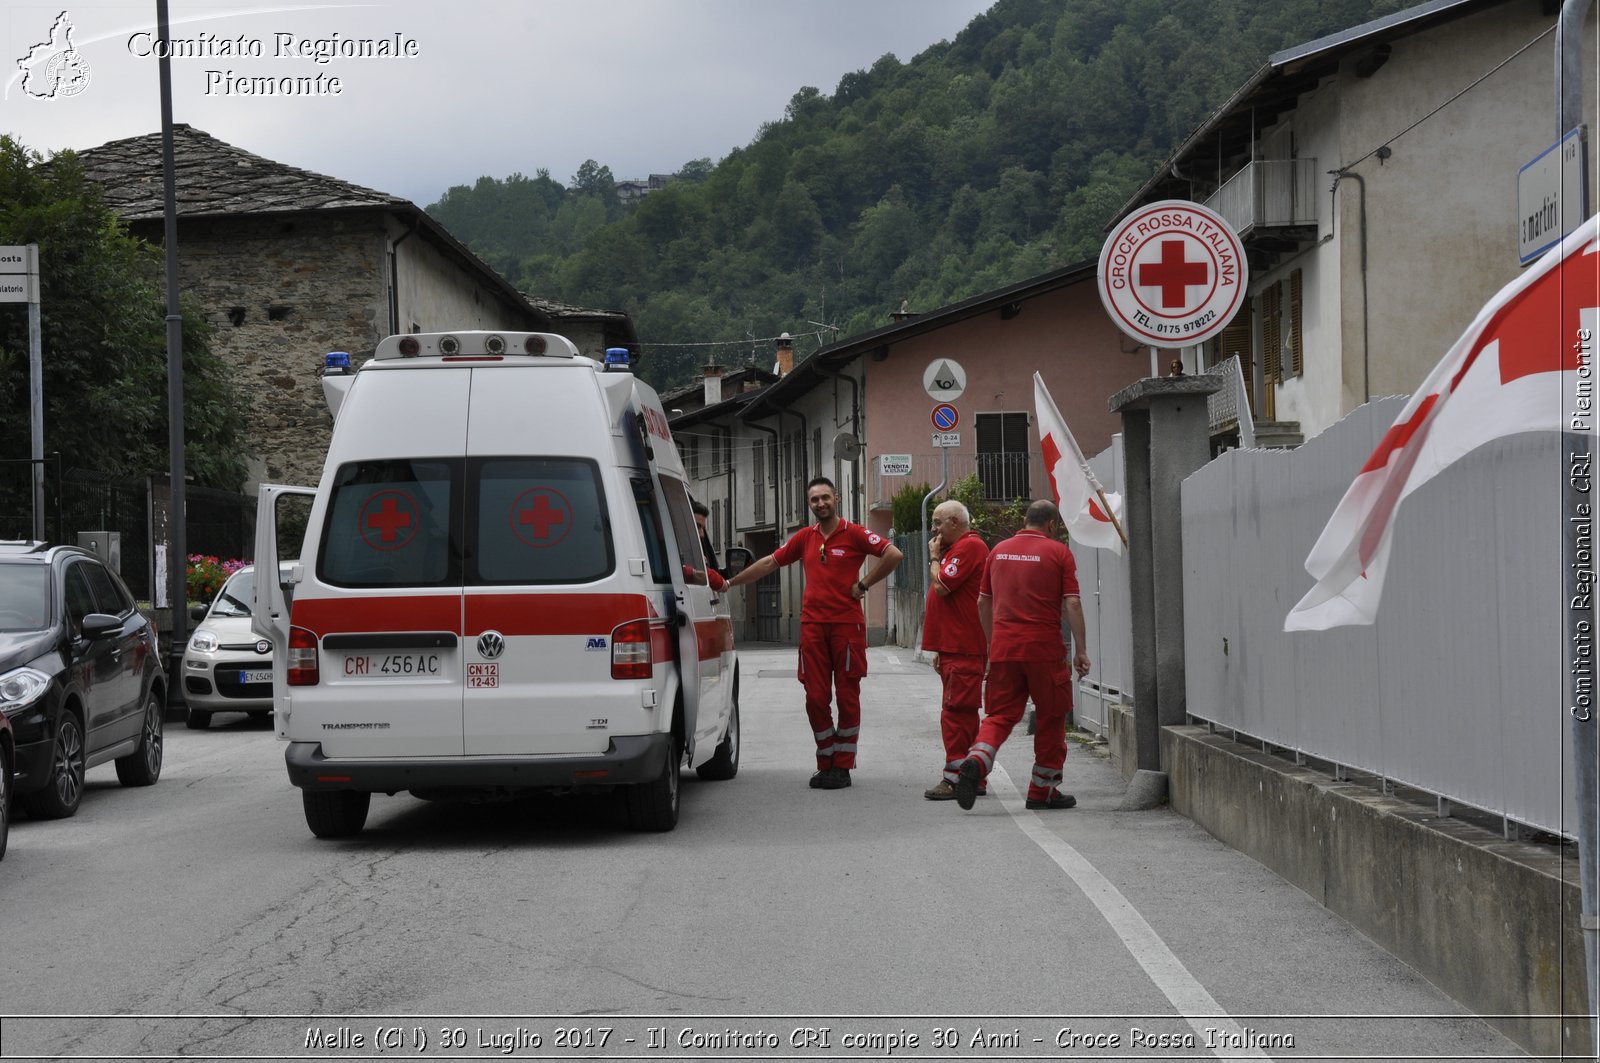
<point>841,779</point>
<point>971,777</point>
<point>1057,799</point>
<point>819,779</point>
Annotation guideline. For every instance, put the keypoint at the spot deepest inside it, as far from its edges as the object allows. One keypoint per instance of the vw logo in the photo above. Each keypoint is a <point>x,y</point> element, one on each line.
<point>263,646</point>
<point>491,644</point>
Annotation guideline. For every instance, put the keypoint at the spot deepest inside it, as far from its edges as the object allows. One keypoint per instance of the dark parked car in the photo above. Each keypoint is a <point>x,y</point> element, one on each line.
<point>8,758</point>
<point>80,676</point>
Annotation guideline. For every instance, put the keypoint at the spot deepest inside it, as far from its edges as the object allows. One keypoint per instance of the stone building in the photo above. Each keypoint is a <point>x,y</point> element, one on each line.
<point>288,265</point>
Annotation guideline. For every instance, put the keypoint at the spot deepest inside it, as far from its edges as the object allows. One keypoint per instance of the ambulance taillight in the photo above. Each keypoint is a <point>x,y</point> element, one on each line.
<point>302,658</point>
<point>630,651</point>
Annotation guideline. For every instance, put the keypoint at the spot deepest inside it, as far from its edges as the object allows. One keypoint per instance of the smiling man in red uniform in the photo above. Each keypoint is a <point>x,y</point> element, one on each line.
<point>833,631</point>
<point>1031,579</point>
<point>957,556</point>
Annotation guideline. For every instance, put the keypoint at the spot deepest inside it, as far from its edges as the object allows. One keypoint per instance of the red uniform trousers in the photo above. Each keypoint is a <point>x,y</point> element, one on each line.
<point>833,658</point>
<point>962,676</point>
<point>1010,685</point>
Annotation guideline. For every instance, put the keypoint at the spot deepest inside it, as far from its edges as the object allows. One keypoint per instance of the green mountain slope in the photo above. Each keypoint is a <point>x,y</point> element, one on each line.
<point>982,161</point>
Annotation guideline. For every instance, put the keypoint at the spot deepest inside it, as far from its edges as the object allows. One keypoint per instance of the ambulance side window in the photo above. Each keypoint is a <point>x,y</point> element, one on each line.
<point>537,520</point>
<point>684,529</point>
<point>644,500</point>
<point>392,523</point>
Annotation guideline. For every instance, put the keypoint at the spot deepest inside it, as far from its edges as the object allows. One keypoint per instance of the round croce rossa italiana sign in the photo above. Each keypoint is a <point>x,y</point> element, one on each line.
<point>1172,274</point>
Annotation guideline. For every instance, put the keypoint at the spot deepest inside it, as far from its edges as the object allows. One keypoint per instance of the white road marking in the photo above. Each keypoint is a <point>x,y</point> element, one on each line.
<point>1194,1004</point>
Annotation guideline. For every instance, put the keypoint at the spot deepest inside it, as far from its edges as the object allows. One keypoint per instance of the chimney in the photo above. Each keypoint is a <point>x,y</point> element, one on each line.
<point>785,364</point>
<point>903,313</point>
<point>713,379</point>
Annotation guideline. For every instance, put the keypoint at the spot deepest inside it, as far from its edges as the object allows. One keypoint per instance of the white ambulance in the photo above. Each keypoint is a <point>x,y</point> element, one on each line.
<point>501,589</point>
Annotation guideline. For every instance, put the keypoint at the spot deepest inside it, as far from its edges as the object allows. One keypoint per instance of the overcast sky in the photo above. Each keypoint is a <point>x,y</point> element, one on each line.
<point>493,87</point>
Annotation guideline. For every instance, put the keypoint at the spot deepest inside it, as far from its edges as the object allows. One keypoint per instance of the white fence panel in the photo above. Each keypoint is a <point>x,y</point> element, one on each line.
<point>1107,612</point>
<point>1457,689</point>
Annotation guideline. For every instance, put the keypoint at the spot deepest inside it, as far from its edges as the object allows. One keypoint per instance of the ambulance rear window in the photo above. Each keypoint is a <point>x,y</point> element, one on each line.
<point>538,520</point>
<point>389,525</point>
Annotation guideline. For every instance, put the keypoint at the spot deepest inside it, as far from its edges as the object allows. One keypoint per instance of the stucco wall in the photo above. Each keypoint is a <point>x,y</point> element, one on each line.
<point>1441,210</point>
<point>1065,335</point>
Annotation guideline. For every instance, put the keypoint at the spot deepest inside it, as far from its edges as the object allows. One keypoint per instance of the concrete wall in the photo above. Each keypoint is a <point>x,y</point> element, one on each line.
<point>1493,923</point>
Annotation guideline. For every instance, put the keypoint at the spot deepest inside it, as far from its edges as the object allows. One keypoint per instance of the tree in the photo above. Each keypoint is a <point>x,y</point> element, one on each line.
<point>103,317</point>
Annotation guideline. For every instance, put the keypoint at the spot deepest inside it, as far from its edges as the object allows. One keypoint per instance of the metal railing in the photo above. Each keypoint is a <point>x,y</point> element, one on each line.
<point>1004,476</point>
<point>1231,405</point>
<point>1268,192</point>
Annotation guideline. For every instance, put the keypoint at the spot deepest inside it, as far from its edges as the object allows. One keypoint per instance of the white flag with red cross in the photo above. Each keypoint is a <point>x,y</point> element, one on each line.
<point>1512,371</point>
<point>1077,492</point>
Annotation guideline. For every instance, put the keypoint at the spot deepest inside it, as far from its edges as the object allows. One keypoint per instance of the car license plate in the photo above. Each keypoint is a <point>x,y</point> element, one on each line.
<point>261,675</point>
<point>424,664</point>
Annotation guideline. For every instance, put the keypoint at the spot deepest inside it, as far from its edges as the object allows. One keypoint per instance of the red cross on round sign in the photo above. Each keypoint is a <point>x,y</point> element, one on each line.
<point>1172,274</point>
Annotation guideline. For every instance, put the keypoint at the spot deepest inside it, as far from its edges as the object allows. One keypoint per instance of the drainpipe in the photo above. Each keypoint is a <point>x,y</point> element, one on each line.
<point>1366,346</point>
<point>855,430</point>
<point>394,275</point>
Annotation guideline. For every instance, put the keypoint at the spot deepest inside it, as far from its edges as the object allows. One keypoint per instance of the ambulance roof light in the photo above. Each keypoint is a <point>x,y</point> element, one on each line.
<point>619,359</point>
<point>336,363</point>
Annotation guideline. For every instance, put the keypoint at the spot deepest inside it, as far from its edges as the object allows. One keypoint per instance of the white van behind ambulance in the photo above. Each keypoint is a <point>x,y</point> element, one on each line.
<point>501,589</point>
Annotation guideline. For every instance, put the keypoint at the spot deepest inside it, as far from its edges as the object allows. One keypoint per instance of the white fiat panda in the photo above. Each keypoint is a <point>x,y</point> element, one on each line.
<point>501,589</point>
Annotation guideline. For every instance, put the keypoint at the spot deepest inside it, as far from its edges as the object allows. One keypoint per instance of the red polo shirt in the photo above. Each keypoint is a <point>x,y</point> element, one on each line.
<point>832,565</point>
<point>1025,580</point>
<point>950,622</point>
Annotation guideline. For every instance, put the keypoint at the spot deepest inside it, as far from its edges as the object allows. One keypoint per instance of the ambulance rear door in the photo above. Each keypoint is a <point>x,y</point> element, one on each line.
<point>545,588</point>
<point>381,593</point>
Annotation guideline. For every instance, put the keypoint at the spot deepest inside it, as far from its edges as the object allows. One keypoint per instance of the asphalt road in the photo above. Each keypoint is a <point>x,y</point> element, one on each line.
<point>199,919</point>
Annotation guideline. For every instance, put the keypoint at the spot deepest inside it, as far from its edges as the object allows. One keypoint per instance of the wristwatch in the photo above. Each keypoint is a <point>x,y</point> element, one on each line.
<point>862,585</point>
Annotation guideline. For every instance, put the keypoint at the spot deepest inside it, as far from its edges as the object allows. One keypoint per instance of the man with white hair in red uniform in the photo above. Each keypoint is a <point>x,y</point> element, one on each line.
<point>952,629</point>
<point>1030,581</point>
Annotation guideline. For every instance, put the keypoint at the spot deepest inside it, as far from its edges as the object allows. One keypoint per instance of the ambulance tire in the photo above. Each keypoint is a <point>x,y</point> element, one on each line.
<point>653,806</point>
<point>335,813</point>
<point>724,763</point>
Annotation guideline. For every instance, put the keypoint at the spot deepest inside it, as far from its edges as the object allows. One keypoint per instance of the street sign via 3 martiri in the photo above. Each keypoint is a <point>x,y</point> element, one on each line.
<point>1172,274</point>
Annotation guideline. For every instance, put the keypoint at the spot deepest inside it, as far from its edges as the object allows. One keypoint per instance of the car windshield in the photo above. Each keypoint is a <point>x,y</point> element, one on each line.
<point>236,595</point>
<point>24,597</point>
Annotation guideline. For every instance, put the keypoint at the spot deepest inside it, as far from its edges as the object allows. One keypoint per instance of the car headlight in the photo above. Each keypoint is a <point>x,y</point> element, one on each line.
<point>203,642</point>
<point>21,688</point>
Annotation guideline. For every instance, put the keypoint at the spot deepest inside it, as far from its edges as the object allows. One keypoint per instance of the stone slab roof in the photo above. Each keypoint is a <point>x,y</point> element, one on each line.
<point>216,178</point>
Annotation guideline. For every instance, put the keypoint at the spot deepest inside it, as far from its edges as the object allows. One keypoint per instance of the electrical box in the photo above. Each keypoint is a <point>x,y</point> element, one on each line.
<point>106,545</point>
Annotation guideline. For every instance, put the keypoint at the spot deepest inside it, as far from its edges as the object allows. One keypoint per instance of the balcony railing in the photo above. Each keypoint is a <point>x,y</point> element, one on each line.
<point>1004,476</point>
<point>1269,192</point>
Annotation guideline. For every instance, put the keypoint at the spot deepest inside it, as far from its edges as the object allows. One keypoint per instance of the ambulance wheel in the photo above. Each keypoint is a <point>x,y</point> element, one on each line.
<point>654,805</point>
<point>335,813</point>
<point>724,763</point>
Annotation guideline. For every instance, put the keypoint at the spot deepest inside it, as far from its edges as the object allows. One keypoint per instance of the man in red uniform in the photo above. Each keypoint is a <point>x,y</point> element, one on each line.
<point>951,629</point>
<point>1030,579</point>
<point>833,631</point>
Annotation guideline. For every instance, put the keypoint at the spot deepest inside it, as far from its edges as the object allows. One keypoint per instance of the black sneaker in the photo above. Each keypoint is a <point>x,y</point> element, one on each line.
<point>1057,799</point>
<point>971,777</point>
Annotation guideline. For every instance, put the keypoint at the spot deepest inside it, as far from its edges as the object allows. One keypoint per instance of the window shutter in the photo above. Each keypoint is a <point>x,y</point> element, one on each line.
<point>1296,346</point>
<point>1272,333</point>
